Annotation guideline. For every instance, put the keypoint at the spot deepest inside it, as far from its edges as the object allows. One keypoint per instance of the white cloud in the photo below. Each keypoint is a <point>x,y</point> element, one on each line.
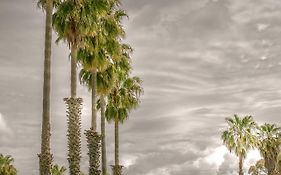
<point>217,156</point>
<point>262,27</point>
<point>3,125</point>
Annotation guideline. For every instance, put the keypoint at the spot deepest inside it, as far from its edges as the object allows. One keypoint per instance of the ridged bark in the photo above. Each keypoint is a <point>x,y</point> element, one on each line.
<point>74,106</point>
<point>117,169</point>
<point>241,165</point>
<point>103,139</point>
<point>94,145</point>
<point>94,138</point>
<point>45,157</point>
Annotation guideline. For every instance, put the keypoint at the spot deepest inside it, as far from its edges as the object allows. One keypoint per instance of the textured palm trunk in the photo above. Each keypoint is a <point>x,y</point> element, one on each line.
<point>241,165</point>
<point>270,164</point>
<point>74,106</point>
<point>93,137</point>
<point>45,157</point>
<point>116,151</point>
<point>103,140</point>
<point>73,76</point>
<point>94,94</point>
<point>117,169</point>
<point>74,134</point>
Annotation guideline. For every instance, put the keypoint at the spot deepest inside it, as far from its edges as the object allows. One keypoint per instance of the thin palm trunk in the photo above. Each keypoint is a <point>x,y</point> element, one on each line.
<point>117,169</point>
<point>94,94</point>
<point>241,165</point>
<point>93,138</point>
<point>73,76</point>
<point>116,143</point>
<point>74,106</point>
<point>45,156</point>
<point>103,142</point>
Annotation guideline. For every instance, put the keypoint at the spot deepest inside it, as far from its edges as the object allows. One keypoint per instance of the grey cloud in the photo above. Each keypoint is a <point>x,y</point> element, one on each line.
<point>201,61</point>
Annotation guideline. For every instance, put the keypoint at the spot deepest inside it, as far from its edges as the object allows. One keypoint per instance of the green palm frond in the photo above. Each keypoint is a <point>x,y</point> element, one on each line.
<point>57,170</point>
<point>124,97</point>
<point>269,144</point>
<point>239,136</point>
<point>6,167</point>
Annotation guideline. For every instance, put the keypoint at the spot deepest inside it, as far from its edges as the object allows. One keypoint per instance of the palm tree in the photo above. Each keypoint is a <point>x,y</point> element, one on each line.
<point>258,168</point>
<point>56,170</point>
<point>66,23</point>
<point>269,145</point>
<point>97,55</point>
<point>6,168</point>
<point>123,98</point>
<point>73,20</point>
<point>105,81</point>
<point>45,157</point>
<point>239,137</point>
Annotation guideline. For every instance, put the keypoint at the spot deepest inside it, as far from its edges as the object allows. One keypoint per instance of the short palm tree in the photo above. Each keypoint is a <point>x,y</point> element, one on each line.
<point>269,142</point>
<point>57,170</point>
<point>6,167</point>
<point>123,98</point>
<point>45,157</point>
<point>239,137</point>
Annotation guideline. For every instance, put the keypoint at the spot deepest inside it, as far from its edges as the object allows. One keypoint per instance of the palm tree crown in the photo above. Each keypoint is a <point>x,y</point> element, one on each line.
<point>269,142</point>
<point>239,136</point>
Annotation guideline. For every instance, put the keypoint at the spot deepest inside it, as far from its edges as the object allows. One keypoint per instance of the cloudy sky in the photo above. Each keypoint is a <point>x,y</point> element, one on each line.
<point>200,60</point>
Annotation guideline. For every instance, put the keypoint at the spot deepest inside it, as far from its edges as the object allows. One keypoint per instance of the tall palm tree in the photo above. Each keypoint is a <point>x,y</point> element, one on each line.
<point>96,55</point>
<point>6,167</point>
<point>73,20</point>
<point>123,98</point>
<point>239,137</point>
<point>106,80</point>
<point>45,157</point>
<point>269,145</point>
<point>66,22</point>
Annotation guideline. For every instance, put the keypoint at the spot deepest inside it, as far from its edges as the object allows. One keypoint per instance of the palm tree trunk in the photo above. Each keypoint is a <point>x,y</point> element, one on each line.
<point>103,141</point>
<point>73,76</point>
<point>45,157</point>
<point>93,137</point>
<point>74,107</point>
<point>116,143</point>
<point>270,162</point>
<point>241,165</point>
<point>117,169</point>
<point>94,94</point>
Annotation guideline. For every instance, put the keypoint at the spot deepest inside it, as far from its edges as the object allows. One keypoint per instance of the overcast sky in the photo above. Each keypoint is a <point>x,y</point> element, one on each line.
<point>200,60</point>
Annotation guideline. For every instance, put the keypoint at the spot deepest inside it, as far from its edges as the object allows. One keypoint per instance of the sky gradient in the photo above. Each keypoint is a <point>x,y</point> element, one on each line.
<point>200,61</point>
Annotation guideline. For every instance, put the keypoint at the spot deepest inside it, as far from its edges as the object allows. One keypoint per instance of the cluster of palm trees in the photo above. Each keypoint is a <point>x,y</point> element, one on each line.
<point>243,134</point>
<point>6,167</point>
<point>94,34</point>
